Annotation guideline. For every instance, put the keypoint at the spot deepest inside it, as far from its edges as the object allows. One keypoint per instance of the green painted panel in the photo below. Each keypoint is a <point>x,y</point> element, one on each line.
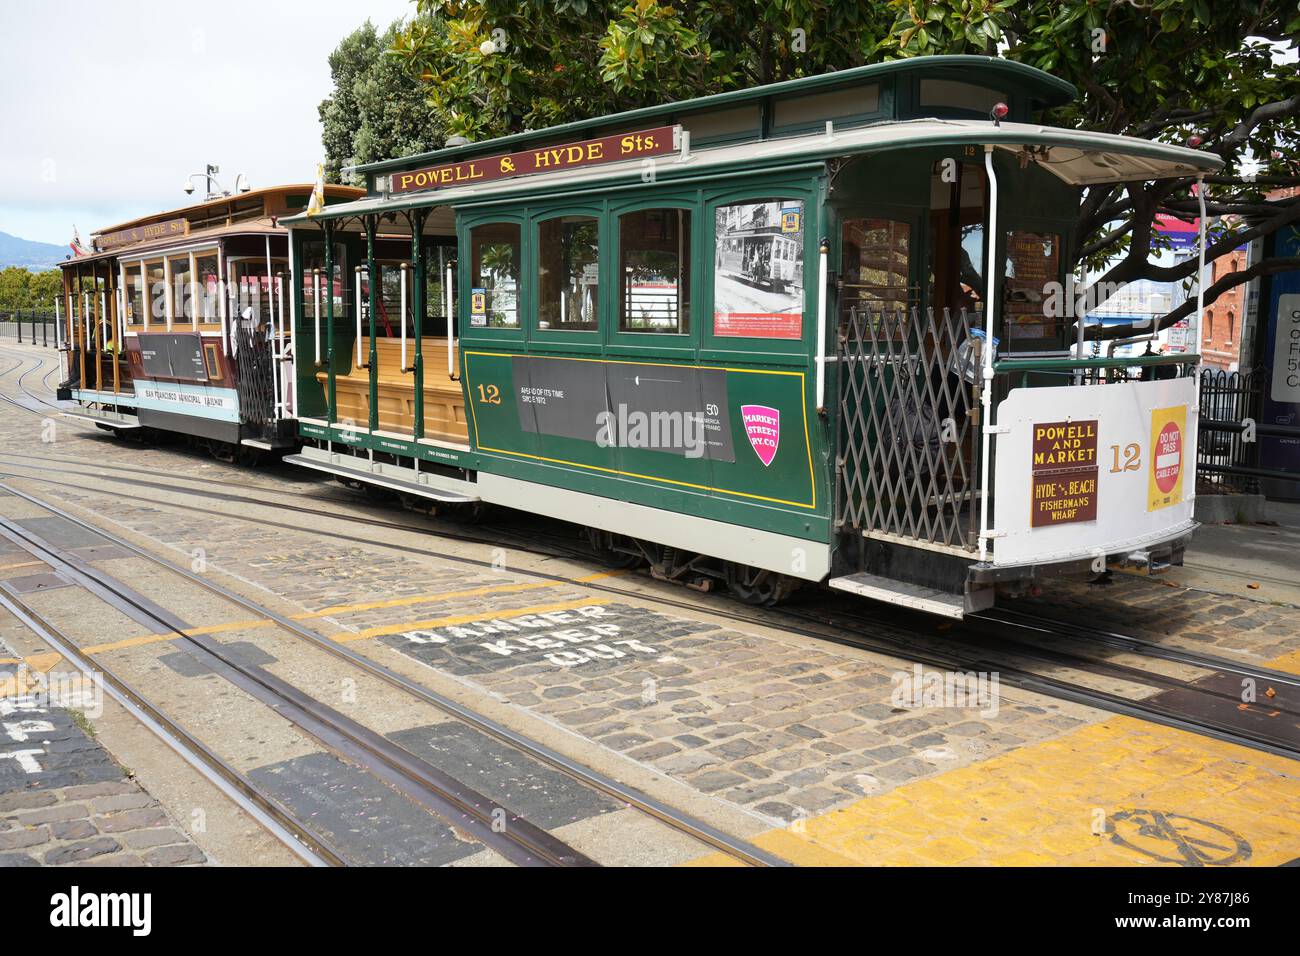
<point>752,460</point>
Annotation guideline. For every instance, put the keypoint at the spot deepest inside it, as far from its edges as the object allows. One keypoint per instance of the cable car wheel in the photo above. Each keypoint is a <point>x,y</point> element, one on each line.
<point>759,586</point>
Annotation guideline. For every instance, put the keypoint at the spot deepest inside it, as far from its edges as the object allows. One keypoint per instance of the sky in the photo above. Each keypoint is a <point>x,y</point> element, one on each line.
<point>119,102</point>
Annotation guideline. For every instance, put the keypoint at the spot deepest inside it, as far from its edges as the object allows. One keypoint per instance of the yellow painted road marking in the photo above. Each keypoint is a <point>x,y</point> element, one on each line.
<point>452,595</point>
<point>144,639</point>
<point>20,564</point>
<point>1288,663</point>
<point>1164,795</point>
<point>458,619</point>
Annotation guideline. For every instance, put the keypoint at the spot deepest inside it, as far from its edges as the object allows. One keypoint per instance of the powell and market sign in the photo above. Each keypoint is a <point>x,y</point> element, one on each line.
<point>547,159</point>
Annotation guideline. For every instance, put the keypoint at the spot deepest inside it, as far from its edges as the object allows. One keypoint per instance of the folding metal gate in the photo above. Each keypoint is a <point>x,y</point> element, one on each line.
<point>907,450</point>
<point>253,359</point>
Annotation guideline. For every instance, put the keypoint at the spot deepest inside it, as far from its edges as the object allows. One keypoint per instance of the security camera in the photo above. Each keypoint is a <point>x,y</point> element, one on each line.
<point>189,188</point>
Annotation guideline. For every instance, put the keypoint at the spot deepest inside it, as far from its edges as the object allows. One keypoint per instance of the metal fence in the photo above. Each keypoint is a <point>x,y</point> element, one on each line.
<point>1228,450</point>
<point>899,470</point>
<point>29,326</point>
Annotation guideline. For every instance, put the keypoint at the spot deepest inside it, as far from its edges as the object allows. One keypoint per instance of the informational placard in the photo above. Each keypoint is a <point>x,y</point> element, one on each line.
<point>1102,453</point>
<point>1285,387</point>
<point>478,307</point>
<point>1168,457</point>
<point>641,144</point>
<point>173,355</point>
<point>1064,467</point>
<point>758,270</point>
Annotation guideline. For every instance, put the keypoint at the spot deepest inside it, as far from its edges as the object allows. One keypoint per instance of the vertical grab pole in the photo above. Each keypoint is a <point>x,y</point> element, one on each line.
<point>315,310</point>
<point>986,399</point>
<point>402,318</point>
<point>85,328</point>
<point>356,275</point>
<point>295,300</point>
<point>278,359</point>
<point>1200,258</point>
<point>271,330</point>
<point>332,392</point>
<point>374,280</point>
<point>821,326</point>
<point>418,289</point>
<point>450,301</point>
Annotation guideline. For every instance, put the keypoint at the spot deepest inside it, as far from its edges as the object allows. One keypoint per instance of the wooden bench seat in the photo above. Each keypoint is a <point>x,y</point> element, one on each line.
<point>444,404</point>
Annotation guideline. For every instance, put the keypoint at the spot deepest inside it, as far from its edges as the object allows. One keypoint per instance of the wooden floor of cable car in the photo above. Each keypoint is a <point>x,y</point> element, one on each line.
<point>444,404</point>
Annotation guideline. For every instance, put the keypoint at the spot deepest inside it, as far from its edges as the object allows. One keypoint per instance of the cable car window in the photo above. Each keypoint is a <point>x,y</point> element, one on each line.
<point>955,250</point>
<point>654,271</point>
<point>758,270</point>
<point>494,275</point>
<point>135,294</point>
<point>1031,275</point>
<point>568,267</point>
<point>182,293</point>
<point>209,309</point>
<point>876,262</point>
<point>156,286</point>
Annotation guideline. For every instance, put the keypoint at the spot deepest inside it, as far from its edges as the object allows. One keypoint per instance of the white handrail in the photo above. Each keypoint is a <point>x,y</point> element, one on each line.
<point>821,327</point>
<point>292,390</point>
<point>315,310</point>
<point>271,327</point>
<point>986,397</point>
<point>279,344</point>
<point>358,311</point>
<point>448,298</point>
<point>402,319</point>
<point>1200,257</point>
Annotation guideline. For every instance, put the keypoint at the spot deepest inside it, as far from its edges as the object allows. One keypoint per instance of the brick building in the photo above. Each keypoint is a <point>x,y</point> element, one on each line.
<point>1221,323</point>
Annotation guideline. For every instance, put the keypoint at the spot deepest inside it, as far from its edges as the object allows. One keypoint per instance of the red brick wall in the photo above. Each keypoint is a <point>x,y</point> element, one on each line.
<point>1221,322</point>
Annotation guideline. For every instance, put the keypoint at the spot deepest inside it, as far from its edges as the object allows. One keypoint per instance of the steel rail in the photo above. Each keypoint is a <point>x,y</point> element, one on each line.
<point>433,788</point>
<point>1022,619</point>
<point>311,848</point>
<point>703,832</point>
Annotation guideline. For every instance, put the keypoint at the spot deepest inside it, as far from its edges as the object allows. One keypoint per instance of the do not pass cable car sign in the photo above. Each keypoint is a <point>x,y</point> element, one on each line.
<point>642,144</point>
<point>1168,450</point>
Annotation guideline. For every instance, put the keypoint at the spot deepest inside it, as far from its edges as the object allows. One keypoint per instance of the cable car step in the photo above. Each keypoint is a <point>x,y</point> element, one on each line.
<point>384,476</point>
<point>915,596</point>
<point>111,419</point>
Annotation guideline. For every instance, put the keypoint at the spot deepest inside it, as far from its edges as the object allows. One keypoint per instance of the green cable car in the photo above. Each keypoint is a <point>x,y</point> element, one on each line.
<point>808,332</point>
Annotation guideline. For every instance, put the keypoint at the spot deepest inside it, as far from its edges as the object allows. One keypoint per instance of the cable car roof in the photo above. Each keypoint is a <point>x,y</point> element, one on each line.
<point>1077,157</point>
<point>1039,88</point>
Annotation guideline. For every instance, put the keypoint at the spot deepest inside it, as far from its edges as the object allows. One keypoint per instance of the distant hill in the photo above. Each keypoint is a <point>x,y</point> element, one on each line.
<point>28,254</point>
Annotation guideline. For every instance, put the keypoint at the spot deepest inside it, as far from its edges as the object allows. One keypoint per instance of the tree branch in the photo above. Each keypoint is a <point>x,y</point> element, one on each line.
<point>1232,279</point>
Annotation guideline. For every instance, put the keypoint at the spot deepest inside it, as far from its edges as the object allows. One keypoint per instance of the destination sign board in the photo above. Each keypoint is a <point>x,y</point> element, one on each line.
<point>1064,473</point>
<point>169,229</point>
<point>544,159</point>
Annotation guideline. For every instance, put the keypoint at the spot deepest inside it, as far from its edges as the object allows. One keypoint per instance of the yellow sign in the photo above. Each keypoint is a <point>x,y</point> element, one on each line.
<point>1168,457</point>
<point>789,221</point>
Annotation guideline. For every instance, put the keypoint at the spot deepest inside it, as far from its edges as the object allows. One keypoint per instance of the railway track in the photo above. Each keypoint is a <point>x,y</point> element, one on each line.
<point>519,841</point>
<point>900,634</point>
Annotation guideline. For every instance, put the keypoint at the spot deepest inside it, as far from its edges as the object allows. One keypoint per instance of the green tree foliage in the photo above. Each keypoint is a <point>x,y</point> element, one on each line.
<point>1157,69</point>
<point>23,289</point>
<point>375,110</point>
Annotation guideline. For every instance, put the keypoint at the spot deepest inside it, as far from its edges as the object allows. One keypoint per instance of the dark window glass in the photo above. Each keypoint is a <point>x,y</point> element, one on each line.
<point>568,267</point>
<point>654,250</point>
<point>494,275</point>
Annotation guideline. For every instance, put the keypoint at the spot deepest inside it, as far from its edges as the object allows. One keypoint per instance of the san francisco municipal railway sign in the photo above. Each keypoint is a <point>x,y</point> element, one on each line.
<point>547,159</point>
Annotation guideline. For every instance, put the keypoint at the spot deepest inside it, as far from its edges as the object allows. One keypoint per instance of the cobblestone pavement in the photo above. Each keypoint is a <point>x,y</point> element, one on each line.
<point>798,733</point>
<point>63,799</point>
